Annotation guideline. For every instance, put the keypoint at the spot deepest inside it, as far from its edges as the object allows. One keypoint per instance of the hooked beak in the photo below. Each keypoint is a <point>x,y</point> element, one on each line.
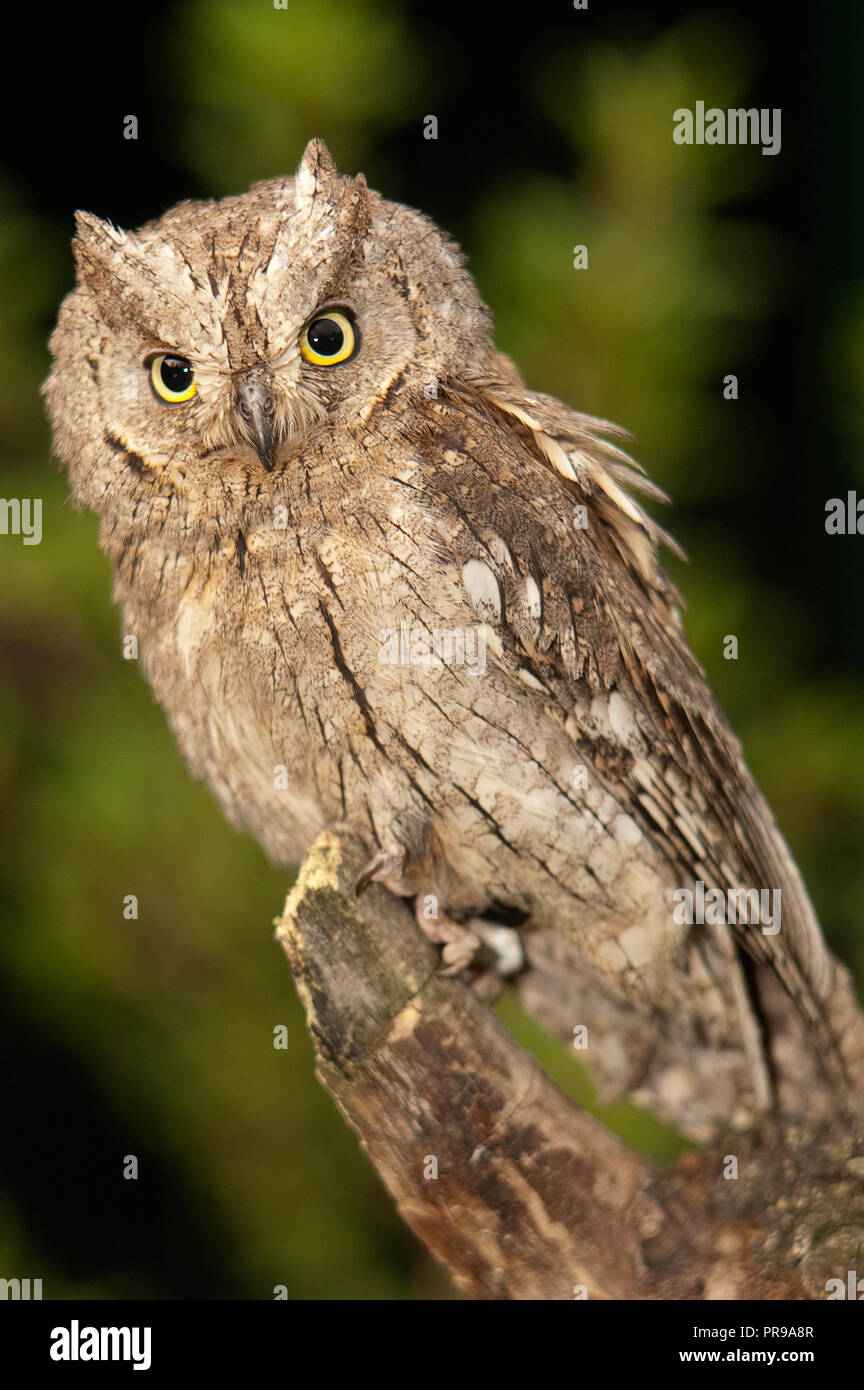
<point>257,407</point>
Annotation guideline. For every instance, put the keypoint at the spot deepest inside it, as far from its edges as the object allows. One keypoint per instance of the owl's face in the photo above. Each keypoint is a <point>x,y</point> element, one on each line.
<point>217,339</point>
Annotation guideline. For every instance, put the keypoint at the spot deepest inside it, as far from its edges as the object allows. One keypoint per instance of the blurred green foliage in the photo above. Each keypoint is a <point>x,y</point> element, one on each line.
<point>673,291</point>
<point>261,82</point>
<point>154,1037</point>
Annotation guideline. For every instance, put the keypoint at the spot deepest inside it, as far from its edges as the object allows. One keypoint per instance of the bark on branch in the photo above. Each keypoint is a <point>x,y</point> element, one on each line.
<point>533,1198</point>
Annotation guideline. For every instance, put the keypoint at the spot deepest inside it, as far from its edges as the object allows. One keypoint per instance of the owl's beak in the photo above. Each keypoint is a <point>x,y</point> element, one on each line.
<point>257,408</point>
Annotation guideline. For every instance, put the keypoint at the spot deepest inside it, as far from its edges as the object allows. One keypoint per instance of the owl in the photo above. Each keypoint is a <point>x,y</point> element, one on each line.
<point>377,582</point>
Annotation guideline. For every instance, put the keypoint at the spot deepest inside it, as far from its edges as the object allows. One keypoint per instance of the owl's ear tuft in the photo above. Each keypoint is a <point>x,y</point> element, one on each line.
<point>125,279</point>
<point>96,243</point>
<point>100,251</point>
<point>315,168</point>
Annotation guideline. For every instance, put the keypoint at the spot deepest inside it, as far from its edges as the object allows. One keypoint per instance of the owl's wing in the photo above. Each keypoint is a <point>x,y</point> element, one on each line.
<point>520,468</point>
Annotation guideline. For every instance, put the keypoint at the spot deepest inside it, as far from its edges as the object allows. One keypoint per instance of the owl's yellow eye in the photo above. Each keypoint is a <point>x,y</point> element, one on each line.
<point>172,378</point>
<point>328,339</point>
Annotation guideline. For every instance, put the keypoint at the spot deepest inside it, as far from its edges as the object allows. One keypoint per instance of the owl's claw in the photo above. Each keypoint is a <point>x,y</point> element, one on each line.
<point>460,950</point>
<point>499,948</point>
<point>460,943</point>
<point>385,867</point>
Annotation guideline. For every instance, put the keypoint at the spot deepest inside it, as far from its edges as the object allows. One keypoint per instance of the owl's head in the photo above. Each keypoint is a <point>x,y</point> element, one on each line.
<point>222,335</point>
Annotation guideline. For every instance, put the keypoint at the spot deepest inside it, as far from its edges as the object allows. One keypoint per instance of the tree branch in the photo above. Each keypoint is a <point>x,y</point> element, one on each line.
<point>517,1191</point>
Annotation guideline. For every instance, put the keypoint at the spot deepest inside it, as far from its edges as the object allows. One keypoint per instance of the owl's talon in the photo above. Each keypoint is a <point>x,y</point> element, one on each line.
<point>460,950</point>
<point>490,951</point>
<point>385,867</point>
<point>461,944</point>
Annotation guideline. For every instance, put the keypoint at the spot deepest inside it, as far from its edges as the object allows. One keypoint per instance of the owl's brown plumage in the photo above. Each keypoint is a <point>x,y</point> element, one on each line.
<point>292,541</point>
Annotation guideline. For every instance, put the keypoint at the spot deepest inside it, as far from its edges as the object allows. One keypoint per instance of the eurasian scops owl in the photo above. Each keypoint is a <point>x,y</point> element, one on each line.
<point>377,581</point>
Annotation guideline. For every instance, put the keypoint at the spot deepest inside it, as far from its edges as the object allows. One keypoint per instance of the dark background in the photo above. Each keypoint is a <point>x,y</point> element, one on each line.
<point>154,1037</point>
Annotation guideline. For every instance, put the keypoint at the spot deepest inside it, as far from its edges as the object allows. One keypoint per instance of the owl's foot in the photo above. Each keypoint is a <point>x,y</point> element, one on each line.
<point>486,951</point>
<point>460,943</point>
<point>387,867</point>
